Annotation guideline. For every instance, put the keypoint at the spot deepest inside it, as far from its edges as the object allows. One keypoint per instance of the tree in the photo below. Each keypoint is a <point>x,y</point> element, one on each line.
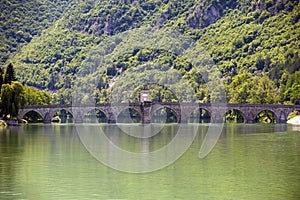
<point>35,97</point>
<point>264,91</point>
<point>247,88</point>
<point>12,96</point>
<point>291,91</point>
<point>9,74</point>
<point>1,78</point>
<point>239,88</point>
<point>6,96</point>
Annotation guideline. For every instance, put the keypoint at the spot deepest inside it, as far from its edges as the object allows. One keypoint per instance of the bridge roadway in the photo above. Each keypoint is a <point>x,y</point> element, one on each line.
<point>182,110</point>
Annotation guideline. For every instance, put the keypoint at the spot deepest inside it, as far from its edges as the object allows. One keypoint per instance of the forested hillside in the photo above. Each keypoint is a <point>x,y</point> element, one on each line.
<point>52,46</point>
<point>21,20</point>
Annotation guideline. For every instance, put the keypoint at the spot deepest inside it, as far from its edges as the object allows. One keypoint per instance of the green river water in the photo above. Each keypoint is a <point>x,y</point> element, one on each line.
<point>249,161</point>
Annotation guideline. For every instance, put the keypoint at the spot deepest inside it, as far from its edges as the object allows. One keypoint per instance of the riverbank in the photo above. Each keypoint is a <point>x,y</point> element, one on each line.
<point>295,120</point>
<point>9,123</point>
<point>2,123</point>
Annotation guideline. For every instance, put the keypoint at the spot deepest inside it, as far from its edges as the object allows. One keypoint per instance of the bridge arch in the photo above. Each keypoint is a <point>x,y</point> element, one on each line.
<point>67,116</point>
<point>235,115</point>
<point>199,115</point>
<point>96,115</point>
<point>167,112</point>
<point>55,110</point>
<point>129,115</point>
<point>32,116</point>
<point>266,116</point>
<point>47,117</point>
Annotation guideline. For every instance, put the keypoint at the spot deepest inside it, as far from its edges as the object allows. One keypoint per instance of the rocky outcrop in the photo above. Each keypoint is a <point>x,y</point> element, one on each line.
<point>206,13</point>
<point>295,120</point>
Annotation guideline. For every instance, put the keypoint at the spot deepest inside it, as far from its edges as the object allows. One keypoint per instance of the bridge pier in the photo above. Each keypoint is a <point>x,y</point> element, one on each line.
<point>282,118</point>
<point>111,119</point>
<point>217,119</point>
<point>47,118</point>
<point>281,121</point>
<point>249,119</point>
<point>218,114</point>
<point>78,120</point>
<point>183,120</point>
<point>146,112</point>
<point>47,121</point>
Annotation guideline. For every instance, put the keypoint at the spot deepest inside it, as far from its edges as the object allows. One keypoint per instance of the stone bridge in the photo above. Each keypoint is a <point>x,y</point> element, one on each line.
<point>146,110</point>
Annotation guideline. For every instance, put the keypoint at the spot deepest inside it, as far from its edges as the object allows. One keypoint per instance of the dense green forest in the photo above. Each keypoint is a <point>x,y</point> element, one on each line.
<point>236,51</point>
<point>20,21</point>
<point>14,95</point>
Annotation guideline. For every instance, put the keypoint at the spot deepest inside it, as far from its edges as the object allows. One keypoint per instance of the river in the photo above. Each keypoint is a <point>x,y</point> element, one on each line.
<point>249,161</point>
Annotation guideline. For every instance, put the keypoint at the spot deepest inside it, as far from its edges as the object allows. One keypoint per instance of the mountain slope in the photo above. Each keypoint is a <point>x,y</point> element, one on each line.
<point>260,37</point>
<point>21,20</point>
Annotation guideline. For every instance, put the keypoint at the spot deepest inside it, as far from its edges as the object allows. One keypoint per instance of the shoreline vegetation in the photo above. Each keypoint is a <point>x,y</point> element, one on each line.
<point>5,123</point>
<point>14,96</point>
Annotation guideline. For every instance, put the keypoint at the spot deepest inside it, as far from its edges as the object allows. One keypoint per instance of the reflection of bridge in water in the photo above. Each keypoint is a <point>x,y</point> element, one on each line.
<point>146,110</point>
